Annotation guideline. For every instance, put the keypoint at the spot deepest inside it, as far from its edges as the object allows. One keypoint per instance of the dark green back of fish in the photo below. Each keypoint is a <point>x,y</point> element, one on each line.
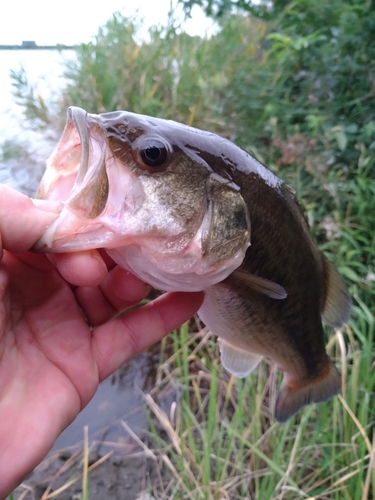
<point>290,330</point>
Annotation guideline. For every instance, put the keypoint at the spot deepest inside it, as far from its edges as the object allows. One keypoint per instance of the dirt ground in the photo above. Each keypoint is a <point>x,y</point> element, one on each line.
<point>117,478</point>
<point>117,422</point>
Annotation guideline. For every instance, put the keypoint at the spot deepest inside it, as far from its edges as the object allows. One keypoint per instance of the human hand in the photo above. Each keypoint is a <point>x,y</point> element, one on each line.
<point>51,360</point>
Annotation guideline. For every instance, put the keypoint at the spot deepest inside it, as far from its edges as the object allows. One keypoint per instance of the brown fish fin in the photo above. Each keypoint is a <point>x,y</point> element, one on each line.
<point>337,306</point>
<point>237,361</point>
<point>294,395</point>
<point>258,284</point>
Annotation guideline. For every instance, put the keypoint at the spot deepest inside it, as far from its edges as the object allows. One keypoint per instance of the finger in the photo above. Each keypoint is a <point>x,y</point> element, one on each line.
<point>122,288</point>
<point>122,338</point>
<point>109,262</point>
<point>119,291</point>
<point>95,306</point>
<point>4,281</point>
<point>21,222</point>
<point>85,268</point>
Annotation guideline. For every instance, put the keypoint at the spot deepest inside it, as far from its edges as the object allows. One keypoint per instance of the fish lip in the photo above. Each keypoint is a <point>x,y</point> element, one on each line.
<point>69,244</point>
<point>70,233</point>
<point>78,118</point>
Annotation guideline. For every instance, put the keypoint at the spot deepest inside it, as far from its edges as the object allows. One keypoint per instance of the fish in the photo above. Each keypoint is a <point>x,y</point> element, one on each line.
<point>187,210</point>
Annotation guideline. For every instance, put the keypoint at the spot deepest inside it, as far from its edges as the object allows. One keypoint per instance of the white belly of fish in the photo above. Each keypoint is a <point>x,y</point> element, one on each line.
<point>176,273</point>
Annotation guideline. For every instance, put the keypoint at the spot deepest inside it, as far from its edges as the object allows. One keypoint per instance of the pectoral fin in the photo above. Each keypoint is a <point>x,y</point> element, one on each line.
<point>237,361</point>
<point>337,306</point>
<point>261,285</point>
<point>294,395</point>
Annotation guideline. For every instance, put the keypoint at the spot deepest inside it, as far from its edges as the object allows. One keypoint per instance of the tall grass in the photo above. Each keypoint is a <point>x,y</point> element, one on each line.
<point>221,442</point>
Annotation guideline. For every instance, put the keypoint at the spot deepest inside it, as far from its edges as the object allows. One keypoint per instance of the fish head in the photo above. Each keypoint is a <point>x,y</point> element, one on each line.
<point>139,187</point>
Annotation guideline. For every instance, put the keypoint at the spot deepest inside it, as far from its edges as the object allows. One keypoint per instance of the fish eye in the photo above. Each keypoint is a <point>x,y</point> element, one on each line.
<point>153,152</point>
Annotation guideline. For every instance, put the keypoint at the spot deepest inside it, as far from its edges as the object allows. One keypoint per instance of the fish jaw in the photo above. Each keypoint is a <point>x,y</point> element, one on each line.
<point>181,268</point>
<point>70,233</point>
<point>78,174</point>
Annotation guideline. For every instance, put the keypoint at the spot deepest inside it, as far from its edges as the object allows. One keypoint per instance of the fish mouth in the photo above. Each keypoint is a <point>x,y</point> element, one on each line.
<point>76,175</point>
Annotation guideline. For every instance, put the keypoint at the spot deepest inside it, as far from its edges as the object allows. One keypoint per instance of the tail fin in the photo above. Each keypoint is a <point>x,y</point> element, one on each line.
<point>294,395</point>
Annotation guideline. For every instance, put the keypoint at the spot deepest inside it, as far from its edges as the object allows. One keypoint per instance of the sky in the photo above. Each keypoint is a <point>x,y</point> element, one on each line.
<point>70,22</point>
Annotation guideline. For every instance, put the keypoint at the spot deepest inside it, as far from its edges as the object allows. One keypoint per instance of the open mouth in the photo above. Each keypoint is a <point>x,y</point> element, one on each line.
<point>76,170</point>
<point>76,175</point>
<point>97,189</point>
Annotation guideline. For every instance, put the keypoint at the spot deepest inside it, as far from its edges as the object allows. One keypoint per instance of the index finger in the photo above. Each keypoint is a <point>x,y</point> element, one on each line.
<point>117,341</point>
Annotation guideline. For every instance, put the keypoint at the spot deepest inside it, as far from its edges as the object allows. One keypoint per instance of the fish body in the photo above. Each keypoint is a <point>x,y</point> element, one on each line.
<point>186,210</point>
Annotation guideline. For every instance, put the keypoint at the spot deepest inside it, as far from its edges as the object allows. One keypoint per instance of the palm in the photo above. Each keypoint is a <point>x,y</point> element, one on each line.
<point>48,371</point>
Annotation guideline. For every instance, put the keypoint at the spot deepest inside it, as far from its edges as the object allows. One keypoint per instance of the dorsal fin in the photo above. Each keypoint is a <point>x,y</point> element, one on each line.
<point>256,283</point>
<point>337,305</point>
<point>237,361</point>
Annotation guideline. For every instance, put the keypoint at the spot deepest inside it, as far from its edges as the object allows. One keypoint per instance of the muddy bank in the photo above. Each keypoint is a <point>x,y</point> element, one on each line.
<point>121,465</point>
<point>117,478</point>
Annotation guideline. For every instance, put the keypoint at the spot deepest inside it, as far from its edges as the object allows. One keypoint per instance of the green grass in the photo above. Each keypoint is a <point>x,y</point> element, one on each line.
<point>222,443</point>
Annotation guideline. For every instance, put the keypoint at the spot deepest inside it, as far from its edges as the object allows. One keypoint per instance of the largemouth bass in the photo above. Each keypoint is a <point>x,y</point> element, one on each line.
<point>186,210</point>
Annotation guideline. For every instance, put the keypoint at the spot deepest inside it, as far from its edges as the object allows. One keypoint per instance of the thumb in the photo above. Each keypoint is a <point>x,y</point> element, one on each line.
<point>23,220</point>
